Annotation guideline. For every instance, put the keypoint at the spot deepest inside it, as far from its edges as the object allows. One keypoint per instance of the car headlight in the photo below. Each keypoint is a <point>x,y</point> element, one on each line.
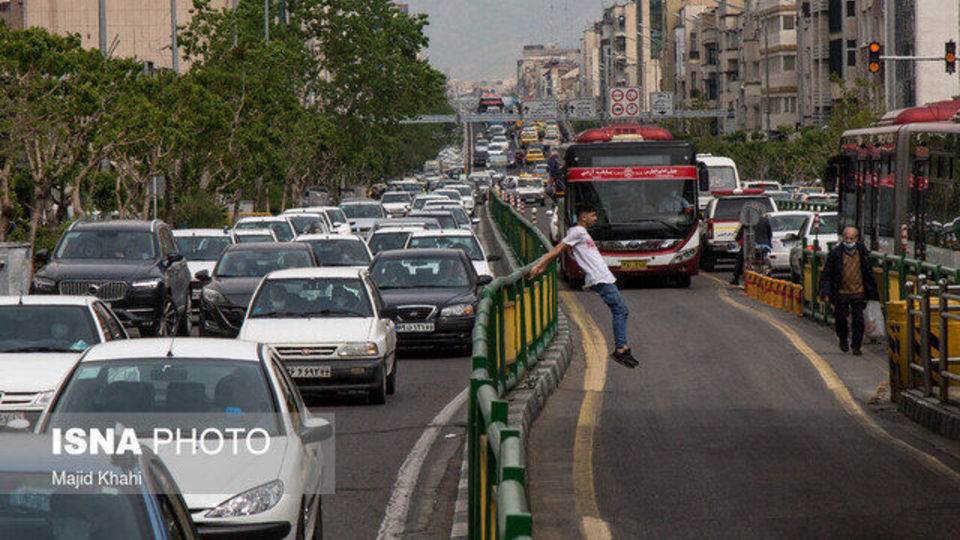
<point>214,297</point>
<point>44,398</point>
<point>42,283</point>
<point>146,283</point>
<point>254,501</point>
<point>458,310</point>
<point>359,349</point>
<point>684,255</point>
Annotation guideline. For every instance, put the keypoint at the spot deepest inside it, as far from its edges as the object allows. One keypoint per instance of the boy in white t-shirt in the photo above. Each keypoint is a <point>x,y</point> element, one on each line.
<point>598,277</point>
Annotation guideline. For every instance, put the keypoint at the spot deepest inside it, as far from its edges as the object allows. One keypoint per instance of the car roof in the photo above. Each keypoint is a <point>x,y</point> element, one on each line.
<point>267,246</point>
<point>114,224</point>
<point>318,272</point>
<point>265,219</point>
<point>232,349</point>
<point>425,253</point>
<point>359,201</point>
<point>328,236</point>
<point>252,232</point>
<point>46,300</point>
<point>407,228</point>
<point>443,232</point>
<point>395,193</point>
<point>200,232</point>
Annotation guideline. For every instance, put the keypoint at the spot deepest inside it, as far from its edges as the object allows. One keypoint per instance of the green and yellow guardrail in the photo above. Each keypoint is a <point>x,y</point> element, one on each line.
<point>516,320</point>
<point>807,206</point>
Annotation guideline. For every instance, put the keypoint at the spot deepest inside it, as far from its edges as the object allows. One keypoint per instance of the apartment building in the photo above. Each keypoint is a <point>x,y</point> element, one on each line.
<point>770,80</point>
<point>543,71</point>
<point>134,28</point>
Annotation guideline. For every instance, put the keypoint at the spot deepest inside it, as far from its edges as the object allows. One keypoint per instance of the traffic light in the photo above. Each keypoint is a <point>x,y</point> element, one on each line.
<point>874,62</point>
<point>950,56</point>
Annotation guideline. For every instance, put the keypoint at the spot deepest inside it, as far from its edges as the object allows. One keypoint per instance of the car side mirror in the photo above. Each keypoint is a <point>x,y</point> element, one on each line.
<point>202,276</point>
<point>792,237</point>
<point>315,430</point>
<point>493,258</point>
<point>484,280</point>
<point>174,257</point>
<point>42,256</point>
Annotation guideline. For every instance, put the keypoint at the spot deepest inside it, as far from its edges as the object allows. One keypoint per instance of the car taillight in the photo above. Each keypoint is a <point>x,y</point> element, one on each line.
<point>709,230</point>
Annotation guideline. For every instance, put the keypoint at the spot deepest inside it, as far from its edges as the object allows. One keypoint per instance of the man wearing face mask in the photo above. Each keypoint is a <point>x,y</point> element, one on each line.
<point>848,283</point>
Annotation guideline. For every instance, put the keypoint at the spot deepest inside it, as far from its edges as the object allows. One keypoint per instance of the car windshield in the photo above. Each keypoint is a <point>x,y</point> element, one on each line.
<point>640,209</point>
<point>468,244</point>
<point>281,228</point>
<point>388,240</point>
<point>722,177</point>
<point>829,224</point>
<point>52,328</point>
<point>202,392</point>
<point>336,216</point>
<point>787,223</point>
<point>31,507</point>
<point>358,211</point>
<point>447,221</point>
<point>340,252</point>
<point>252,238</point>
<point>260,262</point>
<point>451,194</point>
<point>304,223</point>
<point>314,297</point>
<point>395,198</point>
<point>535,184</point>
<point>135,245</point>
<point>465,191</point>
<point>202,248</point>
<point>422,201</point>
<point>420,273</point>
<point>729,209</point>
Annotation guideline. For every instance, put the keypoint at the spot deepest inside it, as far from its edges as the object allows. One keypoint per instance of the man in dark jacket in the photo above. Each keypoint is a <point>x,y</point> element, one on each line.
<point>762,236</point>
<point>848,283</point>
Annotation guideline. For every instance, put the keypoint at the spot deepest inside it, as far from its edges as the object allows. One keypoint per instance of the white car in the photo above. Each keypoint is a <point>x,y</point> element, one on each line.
<point>466,196</point>
<point>389,238</point>
<point>396,203</point>
<point>280,226</point>
<point>338,249</point>
<point>248,236</point>
<point>326,325</point>
<point>41,338</point>
<point>784,224</point>
<point>361,213</point>
<point>335,217</point>
<point>455,239</point>
<point>822,228</point>
<point>530,190</point>
<point>201,248</point>
<point>420,200</point>
<point>308,222</point>
<point>267,484</point>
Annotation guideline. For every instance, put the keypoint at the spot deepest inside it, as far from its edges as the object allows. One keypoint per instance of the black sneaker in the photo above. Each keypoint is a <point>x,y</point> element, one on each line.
<point>844,347</point>
<point>625,358</point>
<point>857,352</point>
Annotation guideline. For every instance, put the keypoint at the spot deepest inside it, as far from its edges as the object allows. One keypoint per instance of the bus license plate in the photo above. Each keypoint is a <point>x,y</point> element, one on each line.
<point>415,327</point>
<point>309,372</point>
<point>633,265</point>
<point>6,418</point>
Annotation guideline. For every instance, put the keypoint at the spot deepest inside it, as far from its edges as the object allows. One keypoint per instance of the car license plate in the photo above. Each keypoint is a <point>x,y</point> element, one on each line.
<point>415,327</point>
<point>633,265</point>
<point>197,293</point>
<point>309,372</point>
<point>7,417</point>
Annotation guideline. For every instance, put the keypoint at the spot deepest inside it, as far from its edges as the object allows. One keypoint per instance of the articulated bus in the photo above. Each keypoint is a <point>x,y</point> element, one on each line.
<point>899,183</point>
<point>645,187</point>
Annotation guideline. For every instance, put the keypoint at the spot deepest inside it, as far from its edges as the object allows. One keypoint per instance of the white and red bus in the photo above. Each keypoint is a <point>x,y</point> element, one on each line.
<point>645,186</point>
<point>490,101</point>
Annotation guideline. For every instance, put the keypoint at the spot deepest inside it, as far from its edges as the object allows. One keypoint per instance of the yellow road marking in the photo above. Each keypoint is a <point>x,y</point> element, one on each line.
<point>592,526</point>
<point>840,392</point>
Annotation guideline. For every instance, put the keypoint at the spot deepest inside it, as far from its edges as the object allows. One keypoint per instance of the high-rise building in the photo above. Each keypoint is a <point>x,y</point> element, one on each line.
<point>544,71</point>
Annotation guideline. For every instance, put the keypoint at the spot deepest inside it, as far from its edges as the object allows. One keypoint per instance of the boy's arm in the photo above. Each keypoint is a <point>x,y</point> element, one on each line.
<point>545,261</point>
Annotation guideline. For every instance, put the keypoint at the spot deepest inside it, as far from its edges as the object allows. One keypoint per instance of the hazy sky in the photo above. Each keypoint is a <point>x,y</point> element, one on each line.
<point>481,39</point>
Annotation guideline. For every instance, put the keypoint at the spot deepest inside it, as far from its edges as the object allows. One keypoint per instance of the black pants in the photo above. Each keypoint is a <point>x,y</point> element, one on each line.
<point>738,266</point>
<point>853,309</point>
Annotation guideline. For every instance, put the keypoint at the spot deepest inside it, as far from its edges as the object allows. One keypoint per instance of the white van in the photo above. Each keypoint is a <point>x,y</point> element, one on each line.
<point>723,176</point>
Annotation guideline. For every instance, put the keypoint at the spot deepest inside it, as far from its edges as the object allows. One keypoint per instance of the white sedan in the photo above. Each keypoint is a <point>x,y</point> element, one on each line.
<point>455,239</point>
<point>263,482</point>
<point>784,224</point>
<point>338,249</point>
<point>327,327</point>
<point>280,225</point>
<point>41,338</point>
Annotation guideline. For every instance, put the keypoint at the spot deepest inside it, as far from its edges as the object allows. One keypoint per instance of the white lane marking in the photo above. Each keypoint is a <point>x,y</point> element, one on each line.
<point>395,517</point>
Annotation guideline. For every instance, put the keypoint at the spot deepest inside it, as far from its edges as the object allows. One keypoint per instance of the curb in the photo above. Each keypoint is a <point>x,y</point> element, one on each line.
<point>928,412</point>
<point>528,399</point>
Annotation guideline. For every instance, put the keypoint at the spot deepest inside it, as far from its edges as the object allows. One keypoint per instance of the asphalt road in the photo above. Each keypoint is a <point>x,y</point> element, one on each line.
<point>727,430</point>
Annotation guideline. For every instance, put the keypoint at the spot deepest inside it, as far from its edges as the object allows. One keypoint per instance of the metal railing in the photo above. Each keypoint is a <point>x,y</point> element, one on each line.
<point>516,320</point>
<point>927,344</point>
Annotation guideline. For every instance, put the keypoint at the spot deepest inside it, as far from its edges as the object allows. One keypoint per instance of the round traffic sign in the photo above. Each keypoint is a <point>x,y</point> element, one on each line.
<point>632,94</point>
<point>632,109</point>
<point>616,109</point>
<point>750,215</point>
<point>616,94</point>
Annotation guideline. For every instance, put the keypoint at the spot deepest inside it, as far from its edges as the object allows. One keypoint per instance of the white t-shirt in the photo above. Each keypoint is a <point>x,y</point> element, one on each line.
<point>587,255</point>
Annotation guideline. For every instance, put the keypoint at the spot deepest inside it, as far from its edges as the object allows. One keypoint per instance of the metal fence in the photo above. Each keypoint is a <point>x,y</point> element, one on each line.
<point>516,320</point>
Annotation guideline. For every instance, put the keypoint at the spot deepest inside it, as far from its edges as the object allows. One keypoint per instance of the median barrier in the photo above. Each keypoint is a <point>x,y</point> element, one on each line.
<point>516,319</point>
<point>777,293</point>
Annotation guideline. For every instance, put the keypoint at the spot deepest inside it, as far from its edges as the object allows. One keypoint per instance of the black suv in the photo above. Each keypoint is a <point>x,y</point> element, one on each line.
<point>134,266</point>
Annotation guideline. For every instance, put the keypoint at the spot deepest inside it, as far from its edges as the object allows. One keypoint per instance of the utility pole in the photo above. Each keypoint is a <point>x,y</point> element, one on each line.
<point>890,44</point>
<point>800,57</point>
<point>173,36</point>
<point>766,62</point>
<point>266,20</point>
<point>102,13</point>
<point>236,30</point>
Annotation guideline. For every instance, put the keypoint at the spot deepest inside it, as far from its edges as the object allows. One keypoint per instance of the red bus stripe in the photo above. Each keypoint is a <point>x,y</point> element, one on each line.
<point>684,172</point>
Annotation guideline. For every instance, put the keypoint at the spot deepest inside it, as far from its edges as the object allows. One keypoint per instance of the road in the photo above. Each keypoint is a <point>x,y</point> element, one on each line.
<point>731,428</point>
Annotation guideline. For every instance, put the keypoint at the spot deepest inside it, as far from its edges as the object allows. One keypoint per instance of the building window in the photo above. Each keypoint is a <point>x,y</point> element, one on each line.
<point>851,57</point>
<point>851,8</point>
<point>788,22</point>
<point>789,63</point>
<point>712,53</point>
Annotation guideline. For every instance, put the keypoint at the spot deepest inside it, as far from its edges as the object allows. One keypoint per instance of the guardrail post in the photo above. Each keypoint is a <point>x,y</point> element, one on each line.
<point>925,335</point>
<point>943,366</point>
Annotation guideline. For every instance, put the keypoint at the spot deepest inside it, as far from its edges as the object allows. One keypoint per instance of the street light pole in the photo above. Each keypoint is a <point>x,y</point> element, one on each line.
<point>766,56</point>
<point>266,20</point>
<point>173,36</point>
<point>102,14</point>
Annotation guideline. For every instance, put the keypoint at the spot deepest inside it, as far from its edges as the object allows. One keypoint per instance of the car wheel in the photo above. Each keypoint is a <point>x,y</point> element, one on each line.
<point>379,396</point>
<point>683,282</point>
<point>166,324</point>
<point>392,378</point>
<point>185,325</point>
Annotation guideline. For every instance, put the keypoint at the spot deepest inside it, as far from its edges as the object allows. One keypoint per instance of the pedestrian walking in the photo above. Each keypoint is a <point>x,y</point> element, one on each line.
<point>598,277</point>
<point>762,236</point>
<point>848,283</point>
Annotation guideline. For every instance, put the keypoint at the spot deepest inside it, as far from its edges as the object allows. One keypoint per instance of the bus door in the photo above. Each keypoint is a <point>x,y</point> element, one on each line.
<point>868,181</point>
<point>842,175</point>
<point>918,182</point>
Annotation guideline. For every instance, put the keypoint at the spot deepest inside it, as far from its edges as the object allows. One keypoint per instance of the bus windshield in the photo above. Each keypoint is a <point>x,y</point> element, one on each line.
<point>631,209</point>
<point>722,178</point>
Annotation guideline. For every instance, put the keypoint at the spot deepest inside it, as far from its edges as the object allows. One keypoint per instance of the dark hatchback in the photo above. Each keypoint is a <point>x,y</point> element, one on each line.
<point>227,291</point>
<point>430,294</point>
<point>134,266</point>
